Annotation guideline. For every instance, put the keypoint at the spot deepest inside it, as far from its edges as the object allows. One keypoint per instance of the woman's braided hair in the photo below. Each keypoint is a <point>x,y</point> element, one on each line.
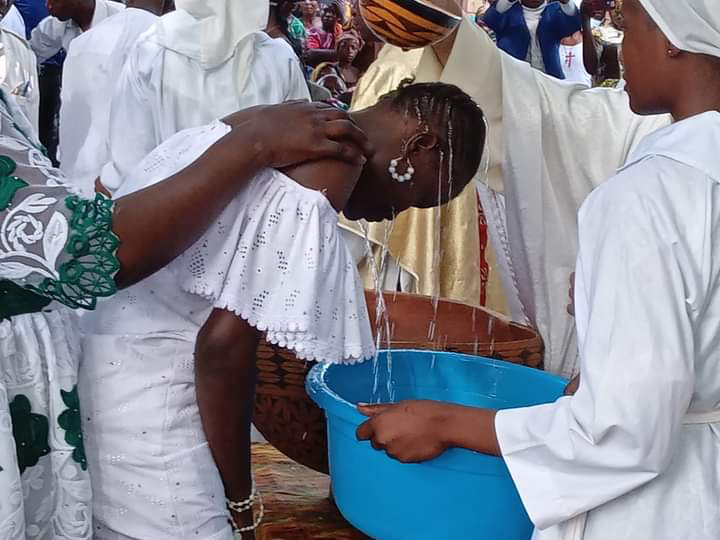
<point>452,116</point>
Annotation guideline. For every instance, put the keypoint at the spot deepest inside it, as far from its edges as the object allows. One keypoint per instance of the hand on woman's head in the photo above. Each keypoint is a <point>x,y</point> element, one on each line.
<point>318,131</point>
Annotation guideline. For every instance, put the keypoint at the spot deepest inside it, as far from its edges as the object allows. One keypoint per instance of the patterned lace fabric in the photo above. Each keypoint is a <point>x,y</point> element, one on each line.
<point>274,257</point>
<point>54,247</point>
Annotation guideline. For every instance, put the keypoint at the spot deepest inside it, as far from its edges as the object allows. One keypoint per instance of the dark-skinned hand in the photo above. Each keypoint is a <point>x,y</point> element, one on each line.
<point>409,431</point>
<point>299,131</point>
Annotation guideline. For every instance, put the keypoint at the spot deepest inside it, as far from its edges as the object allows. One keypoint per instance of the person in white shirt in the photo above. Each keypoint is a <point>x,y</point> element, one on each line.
<point>571,56</point>
<point>13,21</point>
<point>531,30</point>
<point>634,454</point>
<point>208,58</point>
<point>92,68</point>
<point>18,72</point>
<point>68,19</point>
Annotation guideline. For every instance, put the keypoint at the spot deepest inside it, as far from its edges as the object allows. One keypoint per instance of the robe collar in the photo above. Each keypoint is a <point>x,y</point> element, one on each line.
<point>694,141</point>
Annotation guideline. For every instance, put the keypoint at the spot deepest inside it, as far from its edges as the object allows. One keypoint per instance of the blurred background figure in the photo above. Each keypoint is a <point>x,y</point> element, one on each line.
<point>92,69</point>
<point>341,77</point>
<point>602,28</point>
<point>480,18</point>
<point>310,10</point>
<point>321,42</point>
<point>171,82</point>
<point>11,18</point>
<point>18,67</point>
<point>531,30</point>
<point>282,24</point>
<point>571,57</point>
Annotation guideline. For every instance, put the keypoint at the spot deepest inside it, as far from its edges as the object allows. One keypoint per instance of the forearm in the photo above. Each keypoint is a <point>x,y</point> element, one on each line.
<point>158,223</point>
<point>225,376</point>
<point>590,56</point>
<point>317,56</point>
<point>473,429</point>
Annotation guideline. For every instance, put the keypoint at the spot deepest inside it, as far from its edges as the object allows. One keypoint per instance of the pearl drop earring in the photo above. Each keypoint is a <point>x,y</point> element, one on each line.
<point>402,178</point>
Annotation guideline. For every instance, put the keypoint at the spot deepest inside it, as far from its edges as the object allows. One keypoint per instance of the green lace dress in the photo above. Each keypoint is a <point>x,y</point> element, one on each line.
<point>57,251</point>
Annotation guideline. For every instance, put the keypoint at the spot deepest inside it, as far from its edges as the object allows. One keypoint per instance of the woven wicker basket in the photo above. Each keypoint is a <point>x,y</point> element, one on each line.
<point>293,424</point>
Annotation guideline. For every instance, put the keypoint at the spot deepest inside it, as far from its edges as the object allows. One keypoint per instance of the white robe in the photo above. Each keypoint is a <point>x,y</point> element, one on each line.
<point>163,91</point>
<point>647,304</point>
<point>14,22</point>
<point>18,74</point>
<point>92,68</point>
<point>52,34</point>
<point>545,162</point>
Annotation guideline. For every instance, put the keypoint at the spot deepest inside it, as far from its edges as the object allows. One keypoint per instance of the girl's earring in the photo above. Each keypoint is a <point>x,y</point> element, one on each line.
<point>396,175</point>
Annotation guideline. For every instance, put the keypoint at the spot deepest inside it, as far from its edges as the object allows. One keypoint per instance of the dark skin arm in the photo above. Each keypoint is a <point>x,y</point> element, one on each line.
<point>314,57</point>
<point>225,375</point>
<point>156,224</point>
<point>417,431</point>
<point>590,53</point>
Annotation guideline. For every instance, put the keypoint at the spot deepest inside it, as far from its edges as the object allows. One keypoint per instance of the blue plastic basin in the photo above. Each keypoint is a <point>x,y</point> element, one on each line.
<point>462,495</point>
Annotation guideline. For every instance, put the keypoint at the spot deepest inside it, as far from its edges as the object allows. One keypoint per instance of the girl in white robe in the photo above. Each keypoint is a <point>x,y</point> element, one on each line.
<point>635,453</point>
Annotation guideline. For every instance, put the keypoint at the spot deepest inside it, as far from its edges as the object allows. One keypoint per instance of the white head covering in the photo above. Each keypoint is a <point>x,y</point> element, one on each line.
<point>690,25</point>
<point>215,29</point>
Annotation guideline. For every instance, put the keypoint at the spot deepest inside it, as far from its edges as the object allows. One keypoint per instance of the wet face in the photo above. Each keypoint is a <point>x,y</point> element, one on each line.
<point>347,50</point>
<point>329,19</point>
<point>648,68</point>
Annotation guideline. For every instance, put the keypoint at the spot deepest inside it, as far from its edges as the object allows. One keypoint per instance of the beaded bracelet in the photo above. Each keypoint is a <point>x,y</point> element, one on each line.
<point>244,506</point>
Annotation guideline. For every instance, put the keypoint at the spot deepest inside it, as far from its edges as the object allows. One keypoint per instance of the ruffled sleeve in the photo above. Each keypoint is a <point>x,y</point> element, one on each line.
<point>276,259</point>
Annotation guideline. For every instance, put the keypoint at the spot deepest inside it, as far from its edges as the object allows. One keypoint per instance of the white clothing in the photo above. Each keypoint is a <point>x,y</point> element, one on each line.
<point>647,302</point>
<point>274,257</point>
<point>14,22</point>
<point>162,91</point>
<point>18,74</point>
<point>92,68</point>
<point>546,182</point>
<point>690,26</point>
<point>532,20</point>
<point>571,57</point>
<point>52,34</point>
<point>217,30</point>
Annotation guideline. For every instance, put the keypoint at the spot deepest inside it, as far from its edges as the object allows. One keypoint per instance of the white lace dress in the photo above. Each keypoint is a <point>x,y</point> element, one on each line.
<point>276,259</point>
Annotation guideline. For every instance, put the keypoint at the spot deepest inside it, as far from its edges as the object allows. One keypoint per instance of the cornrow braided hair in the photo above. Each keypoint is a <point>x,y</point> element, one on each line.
<point>452,116</point>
